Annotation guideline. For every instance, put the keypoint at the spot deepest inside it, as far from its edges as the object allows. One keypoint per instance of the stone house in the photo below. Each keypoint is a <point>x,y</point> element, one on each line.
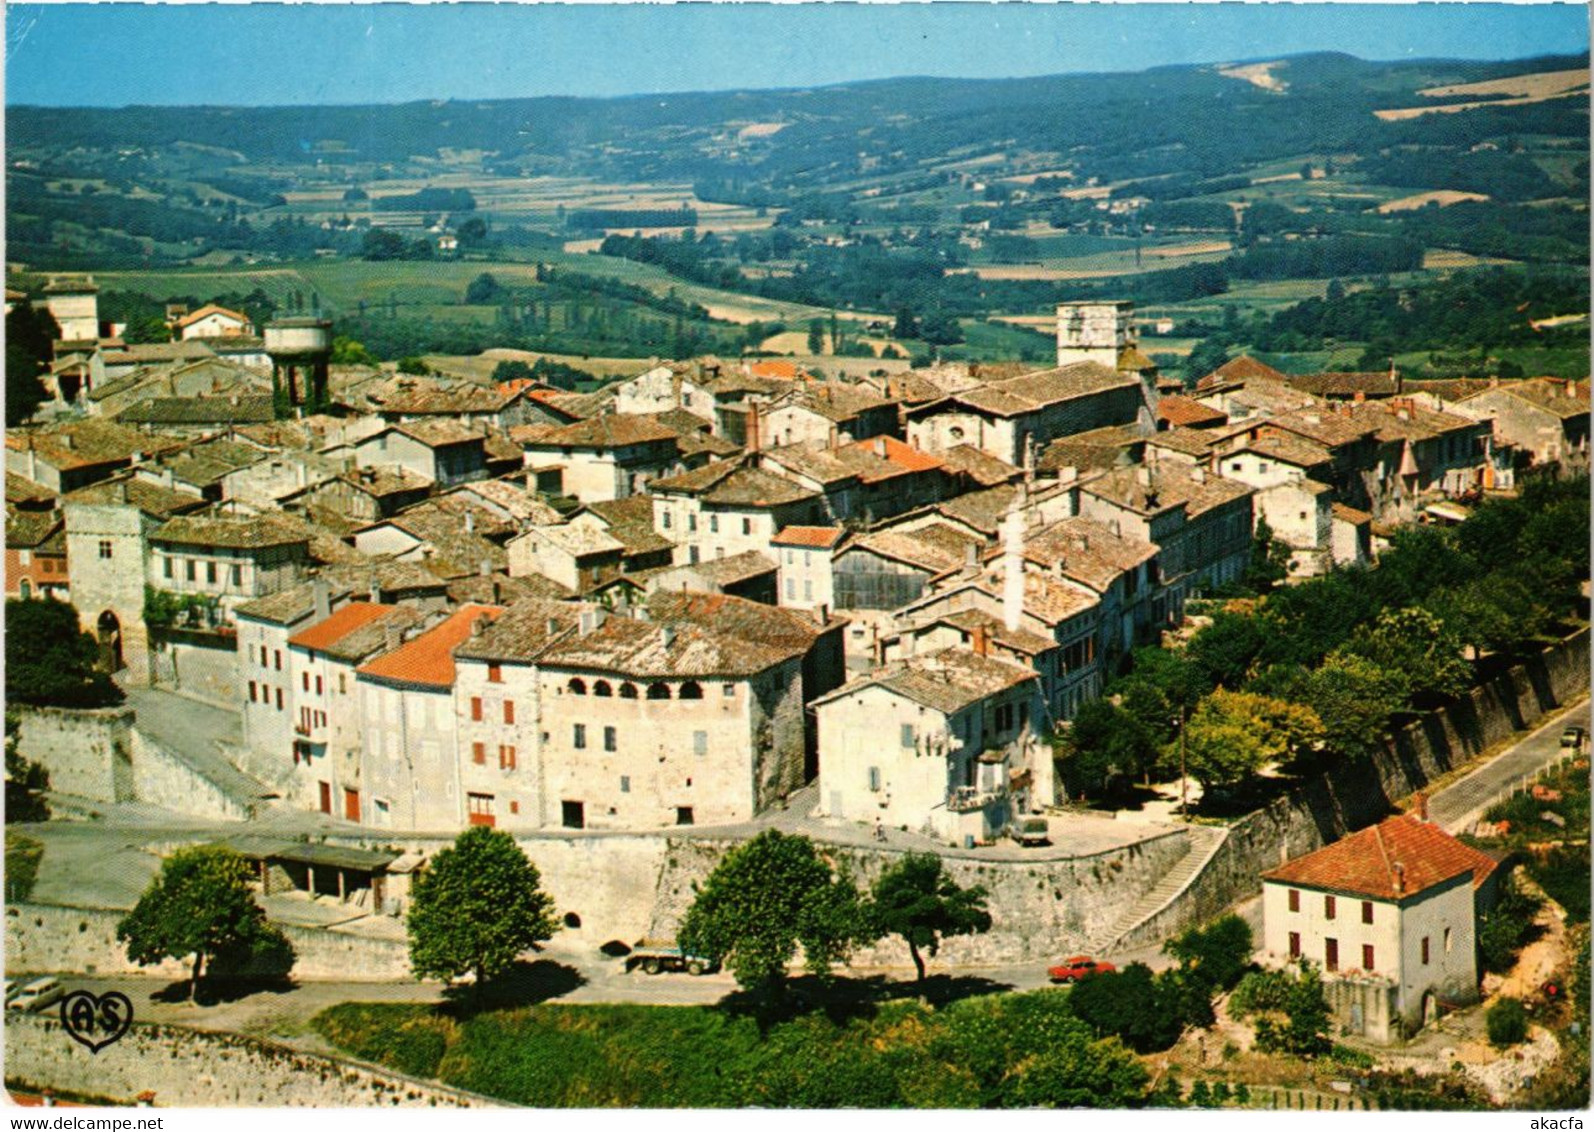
<point>1293,495</point>
<point>940,743</point>
<point>869,480</point>
<point>405,399</point>
<point>364,494</point>
<point>1546,418</point>
<point>611,456</point>
<point>693,714</point>
<point>410,767</point>
<point>78,454</point>
<point>212,321</point>
<point>1391,914</point>
<point>727,507</point>
<point>806,558</point>
<point>576,555</point>
<point>36,564</point>
<point>323,656</point>
<point>228,559</point>
<point>886,570</point>
<point>751,575</point>
<point>1016,418</point>
<point>108,530</point>
<point>497,703</point>
<point>825,413</point>
<point>630,523</point>
<point>441,450</point>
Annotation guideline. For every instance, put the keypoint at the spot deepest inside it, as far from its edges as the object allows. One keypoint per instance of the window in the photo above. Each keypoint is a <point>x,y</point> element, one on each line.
<point>1367,911</point>
<point>105,548</point>
<point>506,757</point>
<point>304,680</point>
<point>874,778</point>
<point>514,807</point>
<point>279,699</point>
<point>579,736</point>
<point>691,522</point>
<point>577,686</point>
<point>791,589</point>
<point>210,573</point>
<point>480,807</point>
<point>166,567</point>
<point>573,815</point>
<point>628,691</point>
<point>602,688</point>
<point>1295,900</point>
<point>1328,907</point>
<point>691,690</point>
<point>908,737</point>
<point>265,660</point>
<point>729,689</point>
<point>714,524</point>
<point>610,739</point>
<point>1295,945</point>
<point>509,711</point>
<point>664,519</point>
<point>237,577</point>
<point>1331,954</point>
<point>476,709</point>
<point>1425,951</point>
<point>276,656</point>
<point>318,685</point>
<point>343,684</point>
<point>189,568</point>
<point>1235,466</point>
<point>808,590</point>
<point>625,784</point>
<point>1261,465</point>
<point>1367,957</point>
<point>658,691</point>
<point>495,674</point>
<point>1447,941</point>
<point>683,815</point>
<point>700,742</point>
<point>478,754</point>
<point>747,526</point>
<point>251,691</point>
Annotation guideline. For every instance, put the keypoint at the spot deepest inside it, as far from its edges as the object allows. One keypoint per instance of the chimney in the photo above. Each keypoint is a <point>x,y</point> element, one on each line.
<point>753,439</point>
<point>498,592</point>
<point>485,567</point>
<point>321,594</point>
<point>981,642</point>
<point>1421,806</point>
<point>880,447</point>
<point>390,636</point>
<point>1143,475</point>
<point>470,522</point>
<point>667,635</point>
<point>1199,474</point>
<point>1013,567</point>
<point>1400,878</point>
<point>553,626</point>
<point>478,623</point>
<point>300,475</point>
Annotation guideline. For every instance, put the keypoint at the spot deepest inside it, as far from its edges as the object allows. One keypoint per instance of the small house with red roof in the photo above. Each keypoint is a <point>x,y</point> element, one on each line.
<point>410,767</point>
<point>805,557</point>
<point>1390,913</point>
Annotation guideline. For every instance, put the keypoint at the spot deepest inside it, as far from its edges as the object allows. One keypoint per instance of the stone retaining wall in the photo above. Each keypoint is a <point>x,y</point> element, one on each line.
<point>197,1069</point>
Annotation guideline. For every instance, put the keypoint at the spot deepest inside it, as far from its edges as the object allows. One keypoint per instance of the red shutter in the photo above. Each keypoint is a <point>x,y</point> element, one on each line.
<point>476,708</point>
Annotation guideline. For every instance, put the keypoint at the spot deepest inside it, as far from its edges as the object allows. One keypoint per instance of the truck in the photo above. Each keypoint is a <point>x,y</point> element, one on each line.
<point>1030,831</point>
<point>657,957</point>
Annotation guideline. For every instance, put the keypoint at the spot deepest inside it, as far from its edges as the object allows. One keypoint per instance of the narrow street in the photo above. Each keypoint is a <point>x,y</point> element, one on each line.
<point>1463,802</point>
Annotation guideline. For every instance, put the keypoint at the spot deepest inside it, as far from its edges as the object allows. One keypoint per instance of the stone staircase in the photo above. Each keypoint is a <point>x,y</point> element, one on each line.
<point>1204,842</point>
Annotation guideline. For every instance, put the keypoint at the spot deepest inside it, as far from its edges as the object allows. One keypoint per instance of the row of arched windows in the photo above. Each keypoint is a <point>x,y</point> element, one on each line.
<point>656,690</point>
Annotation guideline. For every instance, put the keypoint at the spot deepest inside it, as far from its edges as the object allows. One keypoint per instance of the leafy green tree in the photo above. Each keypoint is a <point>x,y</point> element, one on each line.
<point>348,352</point>
<point>1226,651</point>
<point>472,233</point>
<point>1305,1026</point>
<point>414,365</point>
<point>23,855</point>
<point>484,290</point>
<point>477,906</point>
<point>199,907</point>
<point>1505,928</point>
<point>1235,734</point>
<point>1104,744</point>
<point>1216,955</point>
<point>1415,644</point>
<point>512,371</point>
<point>1270,561</point>
<point>906,325</point>
<point>916,900</point>
<point>382,244</point>
<point>1078,1073</point>
<point>940,329</point>
<point>30,338</point>
<point>1354,698</point>
<point>144,330</point>
<point>764,899</point>
<point>1507,1022</point>
<point>50,661</point>
<point>1127,1004</point>
<point>816,336</point>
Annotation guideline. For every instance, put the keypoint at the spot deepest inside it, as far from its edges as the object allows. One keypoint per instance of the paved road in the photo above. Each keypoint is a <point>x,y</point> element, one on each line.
<point>1463,802</point>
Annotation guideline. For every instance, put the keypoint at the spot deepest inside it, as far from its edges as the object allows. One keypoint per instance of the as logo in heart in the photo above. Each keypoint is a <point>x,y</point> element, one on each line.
<point>96,1020</point>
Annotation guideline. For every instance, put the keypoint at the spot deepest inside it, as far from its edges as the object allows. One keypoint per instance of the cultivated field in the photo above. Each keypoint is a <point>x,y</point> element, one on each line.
<point>1521,90</point>
<point>1441,197</point>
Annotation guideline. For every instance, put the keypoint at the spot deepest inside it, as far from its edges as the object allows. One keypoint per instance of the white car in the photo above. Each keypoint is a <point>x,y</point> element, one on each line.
<point>13,988</point>
<point>37,995</point>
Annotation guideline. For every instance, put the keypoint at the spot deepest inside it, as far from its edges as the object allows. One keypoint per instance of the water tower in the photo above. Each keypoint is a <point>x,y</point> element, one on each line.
<point>300,350</point>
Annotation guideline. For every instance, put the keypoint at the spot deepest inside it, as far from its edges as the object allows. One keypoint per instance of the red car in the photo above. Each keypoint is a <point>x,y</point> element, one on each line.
<point>1072,970</point>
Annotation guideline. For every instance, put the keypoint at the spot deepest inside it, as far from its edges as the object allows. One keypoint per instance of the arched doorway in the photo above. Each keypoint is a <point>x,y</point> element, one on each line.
<point>110,638</point>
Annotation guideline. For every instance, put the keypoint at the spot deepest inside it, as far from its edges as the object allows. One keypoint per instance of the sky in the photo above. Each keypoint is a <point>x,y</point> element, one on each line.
<point>269,54</point>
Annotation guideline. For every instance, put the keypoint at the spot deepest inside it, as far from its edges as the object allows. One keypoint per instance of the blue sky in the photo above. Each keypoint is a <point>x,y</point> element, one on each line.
<point>262,54</point>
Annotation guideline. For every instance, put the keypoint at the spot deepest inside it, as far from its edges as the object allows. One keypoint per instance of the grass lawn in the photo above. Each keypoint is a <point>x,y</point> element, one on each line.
<point>855,1051</point>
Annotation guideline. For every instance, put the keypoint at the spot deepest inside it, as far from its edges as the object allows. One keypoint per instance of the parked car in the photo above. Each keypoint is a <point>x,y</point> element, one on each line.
<point>13,988</point>
<point>1076,968</point>
<point>1574,739</point>
<point>657,958</point>
<point>1030,831</point>
<point>37,995</point>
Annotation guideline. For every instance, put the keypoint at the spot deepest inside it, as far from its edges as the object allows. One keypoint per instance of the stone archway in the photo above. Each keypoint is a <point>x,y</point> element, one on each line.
<point>109,633</point>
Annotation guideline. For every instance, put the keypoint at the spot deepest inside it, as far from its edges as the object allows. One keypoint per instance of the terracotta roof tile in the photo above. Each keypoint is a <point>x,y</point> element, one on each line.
<point>1176,410</point>
<point>428,660</point>
<point>1365,863</point>
<point>334,628</point>
<point>819,538</point>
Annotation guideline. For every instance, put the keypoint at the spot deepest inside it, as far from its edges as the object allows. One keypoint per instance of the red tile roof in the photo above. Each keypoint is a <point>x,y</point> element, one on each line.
<point>429,658</point>
<point>904,456</point>
<point>1177,410</point>
<point>1365,863</point>
<point>821,537</point>
<point>324,634</point>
